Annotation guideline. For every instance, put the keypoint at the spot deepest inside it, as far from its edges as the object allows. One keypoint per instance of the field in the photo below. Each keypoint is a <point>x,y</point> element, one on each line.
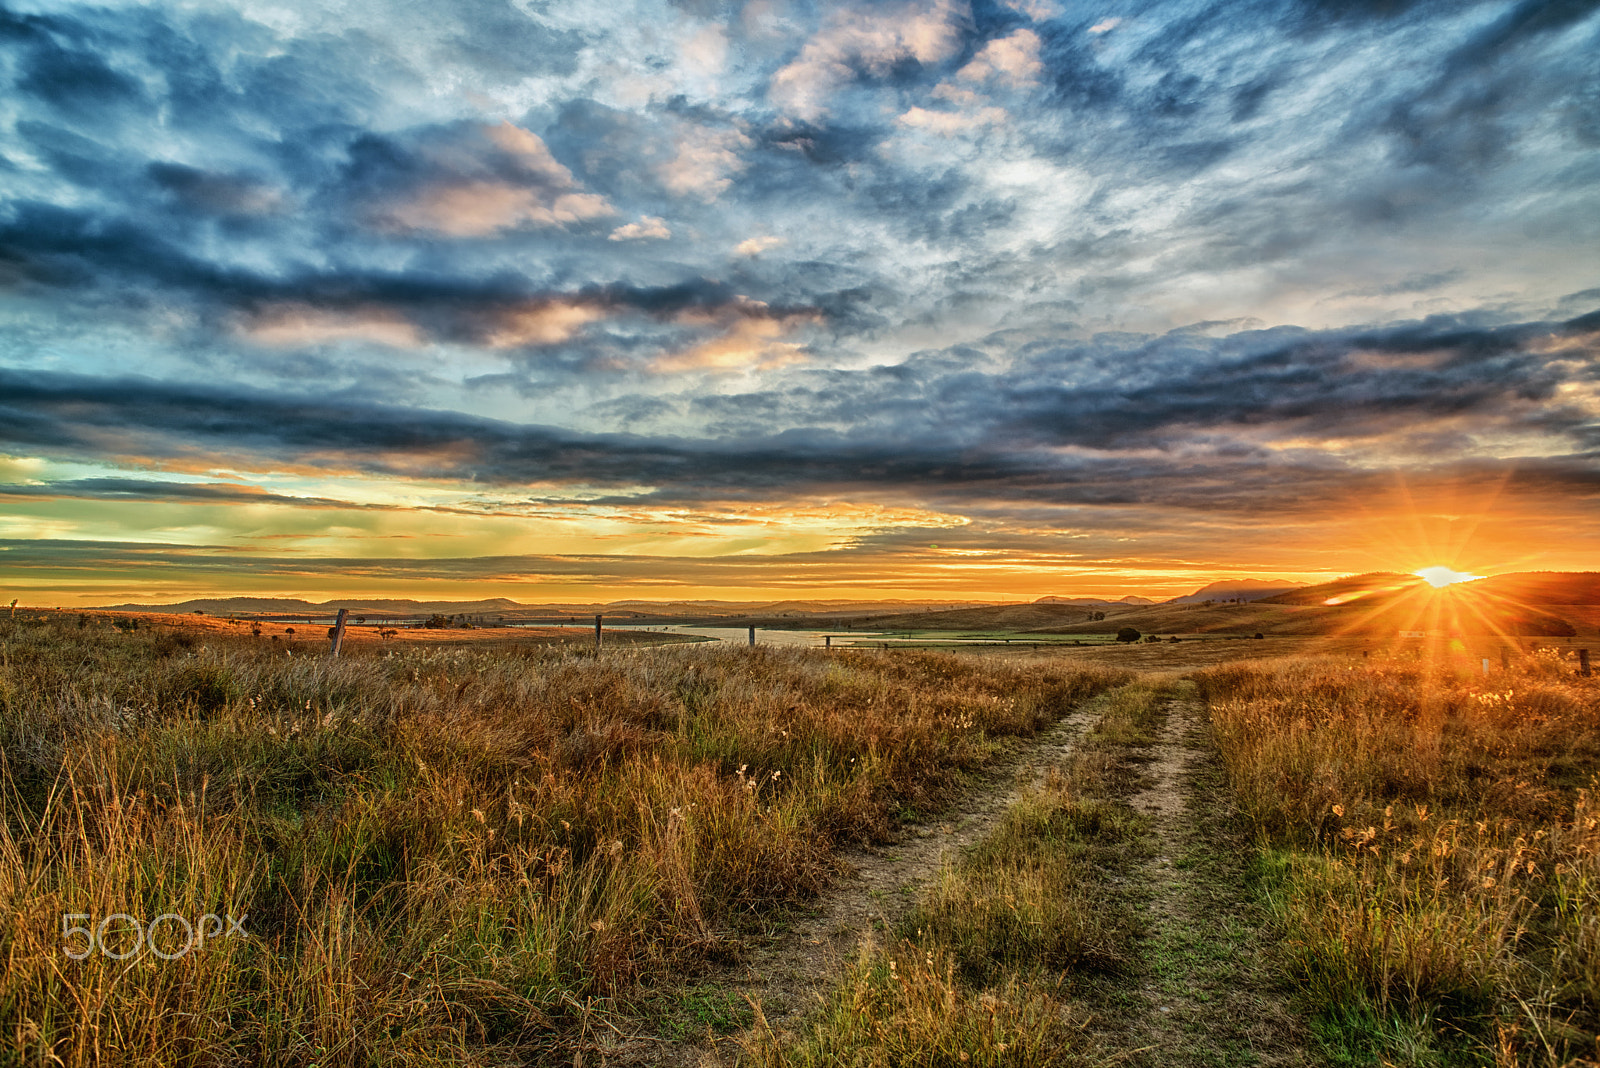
<point>509,849</point>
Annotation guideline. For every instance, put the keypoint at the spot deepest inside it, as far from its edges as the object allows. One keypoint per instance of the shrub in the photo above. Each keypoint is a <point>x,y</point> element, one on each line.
<point>1127,634</point>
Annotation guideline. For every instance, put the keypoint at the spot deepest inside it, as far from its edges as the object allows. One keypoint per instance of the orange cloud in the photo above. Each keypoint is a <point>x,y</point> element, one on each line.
<point>477,209</point>
<point>749,343</point>
<point>877,40</point>
<point>705,162</point>
<point>548,195</point>
<point>302,324</point>
<point>755,246</point>
<point>548,322</point>
<point>949,123</point>
<point>1013,59</point>
<point>648,228</point>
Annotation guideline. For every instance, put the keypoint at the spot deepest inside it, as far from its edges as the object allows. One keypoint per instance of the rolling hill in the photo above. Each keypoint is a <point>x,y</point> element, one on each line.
<point>1235,589</point>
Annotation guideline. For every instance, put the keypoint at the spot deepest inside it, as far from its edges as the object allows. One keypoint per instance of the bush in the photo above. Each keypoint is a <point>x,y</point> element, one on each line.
<point>1127,634</point>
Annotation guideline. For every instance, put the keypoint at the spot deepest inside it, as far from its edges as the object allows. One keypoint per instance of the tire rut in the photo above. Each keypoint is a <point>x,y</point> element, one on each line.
<point>879,885</point>
<point>882,884</point>
<point>1207,995</point>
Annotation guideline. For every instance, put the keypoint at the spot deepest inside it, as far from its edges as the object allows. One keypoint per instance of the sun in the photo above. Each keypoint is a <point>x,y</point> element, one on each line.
<point>1443,576</point>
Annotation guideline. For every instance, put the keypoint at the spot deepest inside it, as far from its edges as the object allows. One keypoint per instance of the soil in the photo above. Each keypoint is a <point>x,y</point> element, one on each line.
<point>1206,995</point>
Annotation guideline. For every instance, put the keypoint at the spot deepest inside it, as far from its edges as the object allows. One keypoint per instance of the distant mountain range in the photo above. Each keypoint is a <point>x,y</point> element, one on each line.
<point>498,607</point>
<point>1094,602</point>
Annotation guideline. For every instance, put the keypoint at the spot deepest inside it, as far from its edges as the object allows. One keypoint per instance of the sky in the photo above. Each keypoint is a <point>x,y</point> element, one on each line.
<point>946,300</point>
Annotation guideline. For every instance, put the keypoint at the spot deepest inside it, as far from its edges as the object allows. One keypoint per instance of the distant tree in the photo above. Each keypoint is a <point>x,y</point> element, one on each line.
<point>437,622</point>
<point>1152,637</point>
<point>288,630</point>
<point>1173,638</point>
<point>1260,635</point>
<point>1127,634</point>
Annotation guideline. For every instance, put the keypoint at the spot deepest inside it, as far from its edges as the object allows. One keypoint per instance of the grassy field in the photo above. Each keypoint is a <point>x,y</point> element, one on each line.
<point>434,854</point>
<point>1000,963</point>
<point>513,850</point>
<point>1430,845</point>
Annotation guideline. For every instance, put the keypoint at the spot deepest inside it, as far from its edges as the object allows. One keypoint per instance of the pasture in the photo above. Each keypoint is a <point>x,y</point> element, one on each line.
<point>505,849</point>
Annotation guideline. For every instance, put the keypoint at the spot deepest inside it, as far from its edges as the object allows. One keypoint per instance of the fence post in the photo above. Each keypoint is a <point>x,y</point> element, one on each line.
<point>597,632</point>
<point>827,641</point>
<point>1583,662</point>
<point>752,637</point>
<point>338,630</point>
<point>1505,659</point>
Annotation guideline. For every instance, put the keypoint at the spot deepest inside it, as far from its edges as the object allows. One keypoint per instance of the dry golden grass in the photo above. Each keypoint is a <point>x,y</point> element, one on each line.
<point>1436,845</point>
<point>439,855</point>
<point>990,968</point>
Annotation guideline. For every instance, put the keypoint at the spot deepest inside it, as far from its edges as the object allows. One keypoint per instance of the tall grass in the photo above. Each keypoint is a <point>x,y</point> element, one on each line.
<point>437,856</point>
<point>989,969</point>
<point>1436,846</point>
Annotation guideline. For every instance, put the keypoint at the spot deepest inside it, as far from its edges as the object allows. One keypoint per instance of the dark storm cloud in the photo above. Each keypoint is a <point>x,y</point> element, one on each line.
<point>61,64</point>
<point>1168,427</point>
<point>49,247</point>
<point>116,562</point>
<point>149,490</point>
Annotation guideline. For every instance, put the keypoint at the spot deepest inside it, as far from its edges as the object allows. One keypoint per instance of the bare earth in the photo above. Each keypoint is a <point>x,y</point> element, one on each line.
<point>1208,997</point>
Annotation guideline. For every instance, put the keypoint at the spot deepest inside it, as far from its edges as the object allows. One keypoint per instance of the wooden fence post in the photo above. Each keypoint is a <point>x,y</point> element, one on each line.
<point>597,632</point>
<point>752,637</point>
<point>1583,662</point>
<point>338,630</point>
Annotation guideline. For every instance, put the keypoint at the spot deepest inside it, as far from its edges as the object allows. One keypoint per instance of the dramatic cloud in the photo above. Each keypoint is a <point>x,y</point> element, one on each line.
<point>1088,291</point>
